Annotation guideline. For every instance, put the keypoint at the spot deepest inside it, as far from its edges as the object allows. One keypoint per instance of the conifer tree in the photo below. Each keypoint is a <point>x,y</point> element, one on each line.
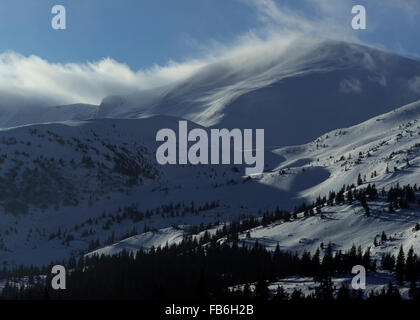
<point>296,295</point>
<point>383,237</point>
<point>393,294</point>
<point>359,180</point>
<point>246,293</point>
<point>414,291</point>
<point>410,266</point>
<point>400,267</point>
<point>261,291</point>
<point>281,294</point>
<point>343,293</point>
<point>325,291</point>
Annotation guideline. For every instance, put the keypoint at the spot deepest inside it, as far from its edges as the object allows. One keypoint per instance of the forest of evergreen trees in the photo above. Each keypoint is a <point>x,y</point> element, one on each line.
<point>204,269</point>
<point>192,272</point>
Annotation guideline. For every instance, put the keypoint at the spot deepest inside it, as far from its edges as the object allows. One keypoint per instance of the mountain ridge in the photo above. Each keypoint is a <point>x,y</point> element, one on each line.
<point>319,87</point>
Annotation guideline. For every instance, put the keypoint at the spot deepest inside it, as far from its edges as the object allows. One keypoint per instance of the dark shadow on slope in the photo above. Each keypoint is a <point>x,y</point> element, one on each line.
<point>297,110</point>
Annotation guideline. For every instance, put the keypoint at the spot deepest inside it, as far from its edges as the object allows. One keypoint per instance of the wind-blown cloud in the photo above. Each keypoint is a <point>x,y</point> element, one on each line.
<point>37,82</point>
<point>32,80</point>
<point>326,19</point>
<point>350,86</point>
<point>414,84</point>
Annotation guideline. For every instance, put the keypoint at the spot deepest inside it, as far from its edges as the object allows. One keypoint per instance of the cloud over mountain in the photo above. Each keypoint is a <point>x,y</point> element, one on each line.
<point>34,81</point>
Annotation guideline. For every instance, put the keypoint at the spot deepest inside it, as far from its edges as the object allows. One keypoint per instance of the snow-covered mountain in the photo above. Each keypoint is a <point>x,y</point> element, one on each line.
<point>383,150</point>
<point>55,177</point>
<point>18,116</point>
<point>76,186</point>
<point>295,93</point>
<point>97,182</point>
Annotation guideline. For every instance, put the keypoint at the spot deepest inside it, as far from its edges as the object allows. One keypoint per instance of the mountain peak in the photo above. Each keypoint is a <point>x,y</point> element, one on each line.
<point>295,93</point>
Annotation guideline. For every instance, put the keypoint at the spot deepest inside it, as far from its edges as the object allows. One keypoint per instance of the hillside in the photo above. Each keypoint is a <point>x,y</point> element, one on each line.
<point>295,93</point>
<point>70,186</point>
<point>18,116</point>
<point>97,182</point>
<point>381,151</point>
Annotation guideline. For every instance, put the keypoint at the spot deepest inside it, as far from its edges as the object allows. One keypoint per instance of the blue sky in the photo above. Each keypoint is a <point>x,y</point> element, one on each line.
<point>140,33</point>
<point>147,32</point>
<point>117,47</point>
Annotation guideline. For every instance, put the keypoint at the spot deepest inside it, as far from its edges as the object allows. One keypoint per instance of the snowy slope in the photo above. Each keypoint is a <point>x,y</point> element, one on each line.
<point>144,241</point>
<point>374,282</point>
<point>72,187</point>
<point>342,226</point>
<point>88,204</point>
<point>384,141</point>
<point>18,116</point>
<point>381,142</point>
<point>64,186</point>
<point>295,93</point>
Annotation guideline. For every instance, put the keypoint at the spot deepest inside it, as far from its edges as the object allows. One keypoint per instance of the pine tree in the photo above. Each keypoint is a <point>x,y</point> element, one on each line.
<point>410,265</point>
<point>359,180</point>
<point>383,237</point>
<point>350,197</point>
<point>400,267</point>
<point>393,293</point>
<point>261,291</point>
<point>246,293</point>
<point>343,294</point>
<point>325,291</point>
<point>413,292</point>
<point>281,294</point>
<point>296,295</point>
<point>366,259</point>
<point>316,264</point>
<point>327,262</point>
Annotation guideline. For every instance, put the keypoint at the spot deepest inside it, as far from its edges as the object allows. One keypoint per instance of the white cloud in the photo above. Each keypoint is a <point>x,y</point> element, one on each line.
<point>54,83</point>
<point>414,84</point>
<point>33,80</point>
<point>326,19</point>
<point>380,79</point>
<point>350,86</point>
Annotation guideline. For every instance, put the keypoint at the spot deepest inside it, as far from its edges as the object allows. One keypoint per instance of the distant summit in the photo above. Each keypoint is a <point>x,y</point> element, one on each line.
<point>295,94</point>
